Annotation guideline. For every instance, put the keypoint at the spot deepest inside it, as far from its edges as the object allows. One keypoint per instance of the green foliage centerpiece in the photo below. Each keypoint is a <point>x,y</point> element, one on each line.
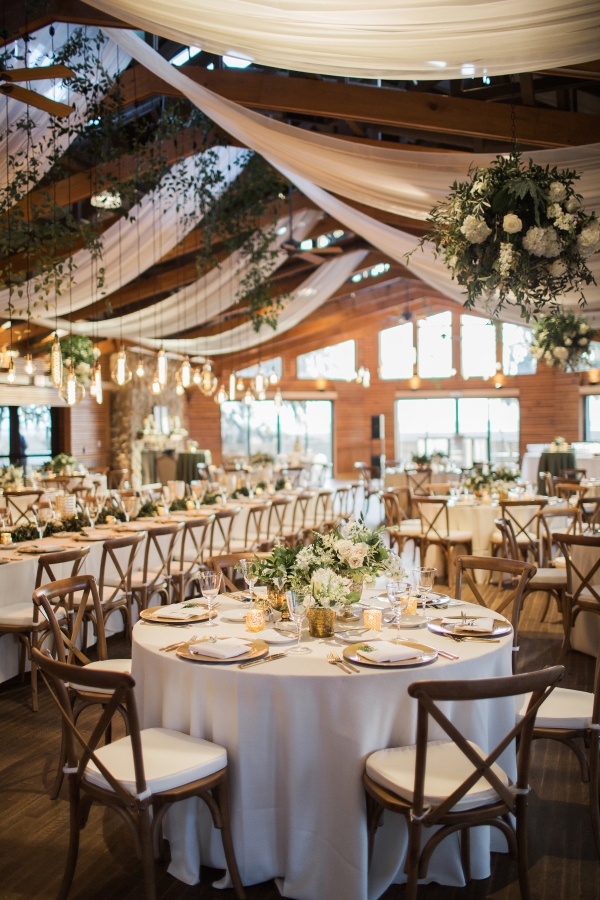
<point>563,340</point>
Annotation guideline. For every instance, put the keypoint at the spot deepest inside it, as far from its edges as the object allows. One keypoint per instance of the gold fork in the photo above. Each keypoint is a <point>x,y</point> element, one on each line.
<point>345,662</point>
<point>179,643</point>
<point>336,661</point>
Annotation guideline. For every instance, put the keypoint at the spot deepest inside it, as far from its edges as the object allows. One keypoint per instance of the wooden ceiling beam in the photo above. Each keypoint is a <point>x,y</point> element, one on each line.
<point>26,18</point>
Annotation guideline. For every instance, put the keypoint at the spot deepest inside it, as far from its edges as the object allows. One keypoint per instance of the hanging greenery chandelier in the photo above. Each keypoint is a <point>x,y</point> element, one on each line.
<point>516,234</point>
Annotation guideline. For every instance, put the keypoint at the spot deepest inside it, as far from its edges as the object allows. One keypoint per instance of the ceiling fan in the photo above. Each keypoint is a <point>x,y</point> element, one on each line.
<point>39,73</point>
<point>293,248</point>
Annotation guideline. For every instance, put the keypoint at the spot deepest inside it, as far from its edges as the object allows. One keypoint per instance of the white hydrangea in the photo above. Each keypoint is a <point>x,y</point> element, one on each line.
<point>512,223</point>
<point>589,239</point>
<point>475,229</point>
<point>557,192</point>
<point>327,588</point>
<point>572,204</point>
<point>554,211</point>
<point>542,242</point>
<point>557,268</point>
<point>561,353</point>
<point>505,260</point>
<point>565,222</point>
<point>584,328</point>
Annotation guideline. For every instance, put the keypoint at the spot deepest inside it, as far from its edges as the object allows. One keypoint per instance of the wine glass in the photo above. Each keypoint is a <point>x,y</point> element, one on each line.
<point>128,505</point>
<point>249,577</point>
<point>210,585</point>
<point>166,499</point>
<point>398,593</point>
<point>93,508</point>
<point>298,611</point>
<point>424,577</point>
<point>42,517</point>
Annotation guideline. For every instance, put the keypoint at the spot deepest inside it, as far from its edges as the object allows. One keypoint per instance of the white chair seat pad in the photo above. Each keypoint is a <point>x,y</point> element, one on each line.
<point>586,594</point>
<point>410,526</point>
<point>137,580</point>
<point>454,535</point>
<point>563,709</point>
<point>560,562</point>
<point>104,665</point>
<point>20,615</point>
<point>107,594</point>
<point>526,538</point>
<point>549,576</point>
<point>171,759</point>
<point>447,768</point>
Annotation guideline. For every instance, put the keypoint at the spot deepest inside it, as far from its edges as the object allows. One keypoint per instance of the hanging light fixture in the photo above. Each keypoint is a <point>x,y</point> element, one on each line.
<point>273,377</point>
<point>278,399</point>
<point>121,374</point>
<point>248,397</point>
<point>185,373</point>
<point>139,369</point>
<point>29,364</point>
<point>197,376</point>
<point>259,381</point>
<point>208,380</point>
<point>232,386</point>
<point>162,367</point>
<point>71,390</point>
<point>363,376</point>
<point>240,385</point>
<point>221,395</point>
<point>156,387</point>
<point>10,375</point>
<point>56,364</point>
<point>179,388</point>
<point>96,383</point>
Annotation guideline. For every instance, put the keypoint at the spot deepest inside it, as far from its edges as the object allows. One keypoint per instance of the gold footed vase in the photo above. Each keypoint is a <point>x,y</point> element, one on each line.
<point>277,600</point>
<point>321,622</point>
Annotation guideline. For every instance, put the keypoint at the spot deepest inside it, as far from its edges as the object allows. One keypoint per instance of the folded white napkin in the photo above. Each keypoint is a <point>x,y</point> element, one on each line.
<point>275,637</point>
<point>177,611</point>
<point>385,651</point>
<point>484,625</point>
<point>225,649</point>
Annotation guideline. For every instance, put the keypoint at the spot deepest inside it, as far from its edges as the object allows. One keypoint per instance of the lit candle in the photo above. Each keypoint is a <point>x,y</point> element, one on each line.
<point>255,619</point>
<point>372,619</point>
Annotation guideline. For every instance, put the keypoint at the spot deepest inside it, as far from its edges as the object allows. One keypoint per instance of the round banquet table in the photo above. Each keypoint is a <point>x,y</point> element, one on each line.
<point>297,733</point>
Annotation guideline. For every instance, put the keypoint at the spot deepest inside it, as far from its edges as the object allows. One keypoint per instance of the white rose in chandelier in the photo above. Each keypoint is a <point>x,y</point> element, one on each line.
<point>475,229</point>
<point>565,222</point>
<point>512,223</point>
<point>557,268</point>
<point>584,328</point>
<point>554,211</point>
<point>589,239</point>
<point>572,204</point>
<point>561,353</point>
<point>557,192</point>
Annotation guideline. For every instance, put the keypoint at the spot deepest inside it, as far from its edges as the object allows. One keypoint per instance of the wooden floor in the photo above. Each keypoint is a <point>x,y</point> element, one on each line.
<point>33,829</point>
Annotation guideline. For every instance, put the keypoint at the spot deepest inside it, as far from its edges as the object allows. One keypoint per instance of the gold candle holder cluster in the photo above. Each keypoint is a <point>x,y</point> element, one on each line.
<point>372,619</point>
<point>255,619</point>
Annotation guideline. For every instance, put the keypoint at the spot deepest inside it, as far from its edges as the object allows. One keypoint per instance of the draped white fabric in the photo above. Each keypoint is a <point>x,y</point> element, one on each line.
<point>160,230</point>
<point>312,293</point>
<point>205,298</point>
<point>418,39</point>
<point>112,58</point>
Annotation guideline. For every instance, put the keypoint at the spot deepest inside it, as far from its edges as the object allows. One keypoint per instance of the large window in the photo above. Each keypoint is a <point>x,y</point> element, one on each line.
<point>301,426</point>
<point>335,363</point>
<point>467,429</point>
<point>516,355</point>
<point>434,344</point>
<point>4,435</point>
<point>396,352</point>
<point>592,417</point>
<point>25,435</point>
<point>477,347</point>
<point>268,366</point>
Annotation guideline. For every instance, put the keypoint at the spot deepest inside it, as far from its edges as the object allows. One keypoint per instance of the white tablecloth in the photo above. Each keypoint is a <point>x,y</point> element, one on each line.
<point>297,733</point>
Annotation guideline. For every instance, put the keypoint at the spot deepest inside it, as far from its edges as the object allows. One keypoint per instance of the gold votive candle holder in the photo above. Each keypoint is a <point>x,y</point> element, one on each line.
<point>372,618</point>
<point>111,520</point>
<point>411,607</point>
<point>6,537</point>
<point>255,619</point>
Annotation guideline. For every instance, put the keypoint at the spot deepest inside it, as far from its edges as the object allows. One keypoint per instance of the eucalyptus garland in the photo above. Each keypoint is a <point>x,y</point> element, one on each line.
<point>516,234</point>
<point>563,339</point>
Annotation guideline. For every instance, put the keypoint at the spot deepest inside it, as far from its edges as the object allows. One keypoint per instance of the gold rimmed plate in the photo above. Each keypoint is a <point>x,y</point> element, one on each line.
<point>256,650</point>
<point>501,627</point>
<point>36,550</point>
<point>154,615</point>
<point>426,655</point>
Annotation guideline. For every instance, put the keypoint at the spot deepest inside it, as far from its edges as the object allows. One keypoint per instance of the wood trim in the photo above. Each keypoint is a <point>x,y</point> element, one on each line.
<point>457,395</point>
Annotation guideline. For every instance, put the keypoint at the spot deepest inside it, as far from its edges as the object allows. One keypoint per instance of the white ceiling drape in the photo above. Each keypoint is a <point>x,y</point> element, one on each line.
<point>112,58</point>
<point>394,39</point>
<point>160,229</point>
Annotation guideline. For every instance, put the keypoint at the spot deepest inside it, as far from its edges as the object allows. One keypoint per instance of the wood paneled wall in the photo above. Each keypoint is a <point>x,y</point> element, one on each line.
<point>550,401</point>
<point>90,431</point>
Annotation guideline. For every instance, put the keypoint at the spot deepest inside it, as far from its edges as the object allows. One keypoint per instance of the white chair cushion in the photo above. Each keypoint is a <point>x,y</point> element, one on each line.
<point>137,579</point>
<point>563,709</point>
<point>104,665</point>
<point>107,593</point>
<point>171,759</point>
<point>528,537</point>
<point>586,594</point>
<point>447,768</point>
<point>560,562</point>
<point>549,576</point>
<point>21,615</point>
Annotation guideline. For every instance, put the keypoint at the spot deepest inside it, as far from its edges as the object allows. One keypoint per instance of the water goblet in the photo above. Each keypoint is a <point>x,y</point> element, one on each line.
<point>249,577</point>
<point>93,509</point>
<point>298,611</point>
<point>128,505</point>
<point>210,585</point>
<point>424,577</point>
<point>42,518</point>
<point>398,594</point>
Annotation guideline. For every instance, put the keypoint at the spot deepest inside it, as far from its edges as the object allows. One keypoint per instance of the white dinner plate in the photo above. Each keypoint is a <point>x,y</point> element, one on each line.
<point>235,615</point>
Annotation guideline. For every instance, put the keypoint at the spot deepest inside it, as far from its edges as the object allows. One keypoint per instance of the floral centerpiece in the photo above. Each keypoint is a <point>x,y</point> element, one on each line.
<point>560,445</point>
<point>10,476</point>
<point>563,339</point>
<point>515,234</point>
<point>479,479</point>
<point>63,464</point>
<point>505,477</point>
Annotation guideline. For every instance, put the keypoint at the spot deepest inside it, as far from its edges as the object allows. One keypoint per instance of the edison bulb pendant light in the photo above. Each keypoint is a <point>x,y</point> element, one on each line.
<point>156,387</point>
<point>197,376</point>
<point>121,374</point>
<point>278,399</point>
<point>248,397</point>
<point>186,373</point>
<point>162,367</point>
<point>56,364</point>
<point>97,383</point>
<point>29,365</point>
<point>179,388</point>
<point>71,390</point>
<point>273,377</point>
<point>232,386</point>
<point>221,395</point>
<point>10,375</point>
<point>259,381</point>
<point>240,385</point>
<point>139,369</point>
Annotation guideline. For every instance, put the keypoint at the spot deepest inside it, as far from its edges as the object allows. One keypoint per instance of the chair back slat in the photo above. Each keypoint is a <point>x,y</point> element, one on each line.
<point>577,571</point>
<point>255,528</point>
<point>393,511</point>
<point>590,511</point>
<point>162,540</point>
<point>435,521</point>
<point>222,528</point>
<point>225,564</point>
<point>72,594</point>
<point>196,534</point>
<point>277,512</point>
<point>548,520</point>
<point>418,479</point>
<point>120,555</point>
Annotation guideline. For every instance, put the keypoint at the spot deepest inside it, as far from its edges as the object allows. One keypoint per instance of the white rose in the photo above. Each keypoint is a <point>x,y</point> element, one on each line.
<point>568,342</point>
<point>557,268</point>
<point>475,229</point>
<point>561,353</point>
<point>582,342</point>
<point>554,210</point>
<point>343,548</point>
<point>512,223</point>
<point>557,192</point>
<point>589,239</point>
<point>584,328</point>
<point>572,204</point>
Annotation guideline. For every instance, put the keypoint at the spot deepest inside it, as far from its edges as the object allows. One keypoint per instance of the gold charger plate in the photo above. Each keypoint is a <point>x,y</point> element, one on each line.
<point>40,551</point>
<point>257,650</point>
<point>501,627</point>
<point>149,615</point>
<point>428,655</point>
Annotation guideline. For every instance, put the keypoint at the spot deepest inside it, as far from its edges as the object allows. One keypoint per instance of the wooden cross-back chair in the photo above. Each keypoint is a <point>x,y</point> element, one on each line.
<point>153,580</point>
<point>22,619</point>
<point>404,496</point>
<point>436,531</point>
<point>17,513</point>
<point>275,524</point>
<point>548,482</point>
<point>438,489</point>
<point>118,556</point>
<point>590,512</point>
<point>220,534</point>
<point>417,480</point>
<point>546,580</point>
<point>525,526</point>
<point>581,595</point>
<point>550,520</point>
<point>256,526</point>
<point>469,788</point>
<point>570,716</point>
<point>116,479</point>
<point>117,774</point>
<point>369,489</point>
<point>297,530</point>
<point>573,474</point>
<point>49,597</point>
<point>194,544</point>
<point>323,502</point>
<point>350,495</point>
<point>521,572</point>
<point>225,565</point>
<point>567,489</point>
<point>399,527</point>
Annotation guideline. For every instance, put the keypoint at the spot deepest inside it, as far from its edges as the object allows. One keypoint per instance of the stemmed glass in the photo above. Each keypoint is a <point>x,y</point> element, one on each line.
<point>93,508</point>
<point>42,518</point>
<point>424,580</point>
<point>166,500</point>
<point>210,585</point>
<point>398,593</point>
<point>298,611</point>
<point>128,504</point>
<point>249,577</point>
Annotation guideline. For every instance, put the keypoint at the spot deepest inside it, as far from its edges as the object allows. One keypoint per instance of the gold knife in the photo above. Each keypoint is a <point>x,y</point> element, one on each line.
<point>265,659</point>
